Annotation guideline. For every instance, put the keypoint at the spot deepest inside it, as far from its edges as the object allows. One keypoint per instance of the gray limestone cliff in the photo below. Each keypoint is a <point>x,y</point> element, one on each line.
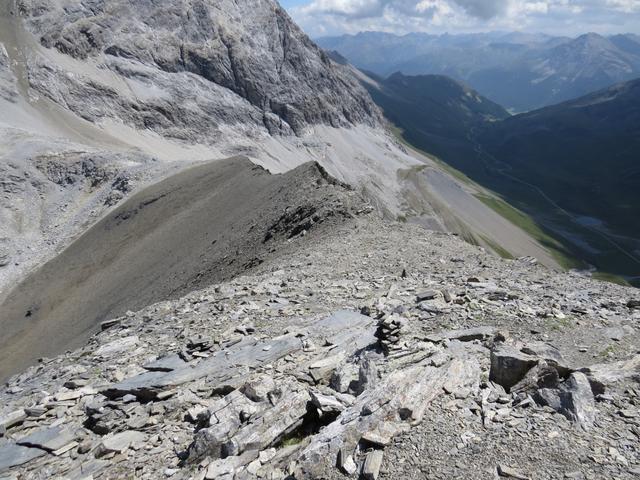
<point>202,65</point>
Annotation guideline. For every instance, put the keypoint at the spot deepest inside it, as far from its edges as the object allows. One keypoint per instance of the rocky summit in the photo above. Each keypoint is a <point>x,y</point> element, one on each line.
<point>368,349</point>
<point>217,262</point>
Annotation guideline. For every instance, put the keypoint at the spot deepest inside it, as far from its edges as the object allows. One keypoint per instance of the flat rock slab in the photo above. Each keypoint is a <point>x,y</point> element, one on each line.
<point>604,375</point>
<point>117,346</point>
<point>399,400</point>
<point>13,455</point>
<point>465,335</point>
<point>49,439</point>
<point>13,418</point>
<point>120,442</point>
<point>345,329</point>
<point>165,364</point>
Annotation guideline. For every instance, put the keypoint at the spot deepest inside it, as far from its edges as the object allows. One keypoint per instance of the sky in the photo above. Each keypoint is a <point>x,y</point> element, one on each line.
<point>556,17</point>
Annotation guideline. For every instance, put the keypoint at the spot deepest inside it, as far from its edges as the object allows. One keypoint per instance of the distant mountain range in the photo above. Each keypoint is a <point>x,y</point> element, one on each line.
<point>518,71</point>
<point>573,166</point>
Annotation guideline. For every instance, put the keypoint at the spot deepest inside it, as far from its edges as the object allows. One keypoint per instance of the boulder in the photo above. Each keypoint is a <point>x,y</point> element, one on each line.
<point>509,366</point>
<point>322,370</point>
<point>550,354</point>
<point>119,442</point>
<point>541,376</point>
<point>13,418</point>
<point>604,375</point>
<point>258,388</point>
<point>49,439</point>
<point>327,404</point>
<point>578,404</point>
<point>346,462</point>
<point>573,399</point>
<point>427,295</point>
<point>372,464</point>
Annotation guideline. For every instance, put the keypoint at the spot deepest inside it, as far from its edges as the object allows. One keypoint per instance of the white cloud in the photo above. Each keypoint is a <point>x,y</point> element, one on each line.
<point>483,9</point>
<point>628,6</point>
<point>536,7</point>
<point>328,17</point>
<point>347,8</point>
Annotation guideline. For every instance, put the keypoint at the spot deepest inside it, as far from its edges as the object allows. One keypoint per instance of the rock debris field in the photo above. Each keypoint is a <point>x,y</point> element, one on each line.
<point>373,350</point>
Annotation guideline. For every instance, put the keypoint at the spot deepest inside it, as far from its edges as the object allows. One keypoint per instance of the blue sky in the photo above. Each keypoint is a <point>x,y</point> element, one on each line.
<point>556,17</point>
<point>292,3</point>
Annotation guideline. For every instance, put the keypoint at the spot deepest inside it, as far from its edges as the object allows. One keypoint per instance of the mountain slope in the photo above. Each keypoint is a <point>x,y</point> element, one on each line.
<point>573,167</point>
<point>194,61</point>
<point>200,226</point>
<point>228,380</point>
<point>105,98</point>
<point>102,98</point>
<point>437,115</point>
<point>584,155</point>
<point>434,112</point>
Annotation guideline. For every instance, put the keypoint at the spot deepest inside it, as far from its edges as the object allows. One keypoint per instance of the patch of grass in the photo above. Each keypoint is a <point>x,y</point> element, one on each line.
<point>610,351</point>
<point>611,278</point>
<point>287,442</point>
<point>469,237</point>
<point>558,324</point>
<point>526,223</point>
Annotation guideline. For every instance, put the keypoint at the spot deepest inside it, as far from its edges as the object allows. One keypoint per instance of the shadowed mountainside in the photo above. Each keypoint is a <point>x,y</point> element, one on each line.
<point>434,112</point>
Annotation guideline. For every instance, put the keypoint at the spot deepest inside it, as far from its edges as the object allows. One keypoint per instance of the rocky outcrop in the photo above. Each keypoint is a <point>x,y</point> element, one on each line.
<point>189,69</point>
<point>7,80</point>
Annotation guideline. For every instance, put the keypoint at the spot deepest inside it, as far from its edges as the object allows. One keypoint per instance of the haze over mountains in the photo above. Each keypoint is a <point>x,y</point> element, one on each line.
<point>519,71</point>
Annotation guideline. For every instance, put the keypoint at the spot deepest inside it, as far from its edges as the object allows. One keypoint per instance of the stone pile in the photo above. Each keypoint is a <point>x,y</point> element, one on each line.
<point>389,333</point>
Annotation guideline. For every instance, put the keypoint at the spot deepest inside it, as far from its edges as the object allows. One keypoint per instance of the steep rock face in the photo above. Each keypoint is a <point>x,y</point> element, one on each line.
<point>7,81</point>
<point>181,68</point>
